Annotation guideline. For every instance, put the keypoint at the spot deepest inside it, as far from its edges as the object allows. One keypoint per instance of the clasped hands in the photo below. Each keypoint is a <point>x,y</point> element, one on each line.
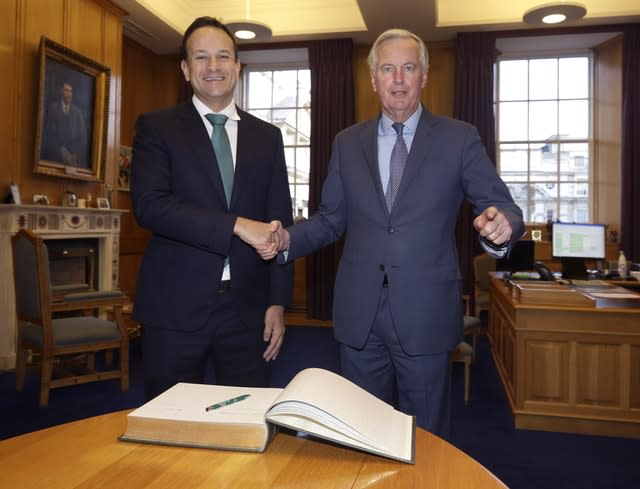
<point>267,238</point>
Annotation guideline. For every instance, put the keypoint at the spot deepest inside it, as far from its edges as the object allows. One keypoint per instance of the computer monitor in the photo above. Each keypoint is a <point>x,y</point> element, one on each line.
<point>520,259</point>
<point>574,243</point>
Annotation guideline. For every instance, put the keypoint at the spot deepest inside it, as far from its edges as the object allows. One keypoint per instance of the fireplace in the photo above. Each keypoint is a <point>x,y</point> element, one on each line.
<point>84,253</point>
<point>73,264</point>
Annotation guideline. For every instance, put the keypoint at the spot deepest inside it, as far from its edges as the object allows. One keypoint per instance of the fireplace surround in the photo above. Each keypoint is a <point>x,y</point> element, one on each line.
<point>88,237</point>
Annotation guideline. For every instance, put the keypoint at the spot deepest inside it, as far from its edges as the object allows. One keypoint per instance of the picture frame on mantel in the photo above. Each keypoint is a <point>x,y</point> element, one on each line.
<point>73,103</point>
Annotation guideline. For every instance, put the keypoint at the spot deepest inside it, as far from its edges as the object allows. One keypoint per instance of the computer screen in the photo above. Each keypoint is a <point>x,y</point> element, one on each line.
<point>578,240</point>
<point>575,243</point>
<point>521,257</point>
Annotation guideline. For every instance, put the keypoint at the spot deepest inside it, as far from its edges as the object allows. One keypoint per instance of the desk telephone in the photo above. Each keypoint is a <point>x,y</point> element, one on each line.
<point>543,271</point>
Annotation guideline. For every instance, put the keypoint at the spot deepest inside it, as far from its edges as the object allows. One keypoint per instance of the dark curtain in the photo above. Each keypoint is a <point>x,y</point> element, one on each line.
<point>475,56</point>
<point>331,87</point>
<point>630,158</point>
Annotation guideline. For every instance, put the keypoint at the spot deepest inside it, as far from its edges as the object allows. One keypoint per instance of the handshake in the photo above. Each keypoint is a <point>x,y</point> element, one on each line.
<point>267,238</point>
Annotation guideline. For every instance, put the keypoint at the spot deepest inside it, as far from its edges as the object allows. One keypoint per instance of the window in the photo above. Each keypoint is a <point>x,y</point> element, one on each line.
<point>283,98</point>
<point>543,111</point>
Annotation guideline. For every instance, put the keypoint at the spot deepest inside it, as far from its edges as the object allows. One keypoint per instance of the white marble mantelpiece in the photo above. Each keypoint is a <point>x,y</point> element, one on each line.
<point>53,222</point>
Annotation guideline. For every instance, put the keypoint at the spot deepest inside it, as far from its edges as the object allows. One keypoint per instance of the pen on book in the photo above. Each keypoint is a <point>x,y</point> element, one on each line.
<point>233,400</point>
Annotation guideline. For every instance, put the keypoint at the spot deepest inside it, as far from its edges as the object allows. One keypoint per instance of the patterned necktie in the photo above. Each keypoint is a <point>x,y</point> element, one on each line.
<point>222,148</point>
<point>397,163</point>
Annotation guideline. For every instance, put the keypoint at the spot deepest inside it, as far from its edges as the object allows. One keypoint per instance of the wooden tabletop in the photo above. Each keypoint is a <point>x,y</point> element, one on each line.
<point>87,454</point>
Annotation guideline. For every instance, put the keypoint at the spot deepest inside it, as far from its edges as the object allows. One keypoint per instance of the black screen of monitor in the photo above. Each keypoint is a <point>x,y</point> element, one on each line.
<point>521,257</point>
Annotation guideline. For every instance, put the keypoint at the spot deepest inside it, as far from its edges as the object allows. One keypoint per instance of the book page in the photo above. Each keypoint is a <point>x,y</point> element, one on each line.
<point>320,402</point>
<point>188,402</point>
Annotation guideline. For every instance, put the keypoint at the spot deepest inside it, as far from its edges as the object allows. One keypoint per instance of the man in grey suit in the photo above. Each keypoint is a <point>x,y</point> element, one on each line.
<point>397,310</point>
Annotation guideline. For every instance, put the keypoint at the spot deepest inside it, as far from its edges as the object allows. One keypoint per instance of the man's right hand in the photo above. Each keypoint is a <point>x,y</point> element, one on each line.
<point>280,242</point>
<point>255,233</point>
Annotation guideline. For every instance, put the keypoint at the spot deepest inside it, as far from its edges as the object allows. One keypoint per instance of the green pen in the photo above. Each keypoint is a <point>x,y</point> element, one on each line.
<point>233,400</point>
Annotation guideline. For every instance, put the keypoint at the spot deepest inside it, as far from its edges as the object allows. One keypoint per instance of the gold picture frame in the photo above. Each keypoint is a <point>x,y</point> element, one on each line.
<point>73,104</point>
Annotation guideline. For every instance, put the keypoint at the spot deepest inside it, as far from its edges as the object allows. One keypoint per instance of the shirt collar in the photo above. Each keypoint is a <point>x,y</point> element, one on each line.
<point>410,125</point>
<point>231,111</point>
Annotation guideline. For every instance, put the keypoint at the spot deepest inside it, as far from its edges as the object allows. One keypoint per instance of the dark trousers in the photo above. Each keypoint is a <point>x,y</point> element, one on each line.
<point>416,385</point>
<point>233,348</point>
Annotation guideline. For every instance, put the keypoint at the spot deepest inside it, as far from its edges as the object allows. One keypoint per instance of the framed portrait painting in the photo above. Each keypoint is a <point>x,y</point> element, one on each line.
<point>73,104</point>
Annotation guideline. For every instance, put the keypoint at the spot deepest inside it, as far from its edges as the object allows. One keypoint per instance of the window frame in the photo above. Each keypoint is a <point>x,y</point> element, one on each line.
<point>589,141</point>
<point>278,60</point>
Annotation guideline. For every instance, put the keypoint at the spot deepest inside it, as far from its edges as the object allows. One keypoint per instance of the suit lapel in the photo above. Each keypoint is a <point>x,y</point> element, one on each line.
<point>420,147</point>
<point>369,139</point>
<point>242,172</point>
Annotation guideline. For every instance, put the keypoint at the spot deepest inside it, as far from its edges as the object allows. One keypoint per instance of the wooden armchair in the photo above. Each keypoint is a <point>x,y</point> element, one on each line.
<point>482,265</point>
<point>57,339</point>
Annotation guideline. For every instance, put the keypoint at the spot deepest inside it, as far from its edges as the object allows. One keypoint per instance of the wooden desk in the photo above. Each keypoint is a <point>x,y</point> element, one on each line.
<point>568,369</point>
<point>87,453</point>
<point>627,284</point>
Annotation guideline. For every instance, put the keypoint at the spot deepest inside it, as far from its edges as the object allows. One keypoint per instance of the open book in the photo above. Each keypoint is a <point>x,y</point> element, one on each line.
<point>316,401</point>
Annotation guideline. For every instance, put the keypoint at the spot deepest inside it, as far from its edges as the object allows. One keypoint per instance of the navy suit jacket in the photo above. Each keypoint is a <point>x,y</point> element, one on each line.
<point>177,194</point>
<point>415,244</point>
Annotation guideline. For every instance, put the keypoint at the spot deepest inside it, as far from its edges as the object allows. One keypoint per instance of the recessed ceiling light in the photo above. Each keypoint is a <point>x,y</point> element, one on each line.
<point>554,13</point>
<point>249,29</point>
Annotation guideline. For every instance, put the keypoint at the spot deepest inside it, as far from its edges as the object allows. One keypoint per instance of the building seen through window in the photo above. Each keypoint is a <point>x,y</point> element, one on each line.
<point>543,112</point>
<point>283,98</point>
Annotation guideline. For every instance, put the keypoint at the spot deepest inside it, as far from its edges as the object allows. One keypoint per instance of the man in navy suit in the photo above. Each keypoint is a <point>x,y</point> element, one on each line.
<point>203,294</point>
<point>397,310</point>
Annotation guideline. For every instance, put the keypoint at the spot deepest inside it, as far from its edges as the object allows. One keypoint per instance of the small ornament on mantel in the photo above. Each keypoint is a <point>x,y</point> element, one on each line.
<point>109,194</point>
<point>89,199</point>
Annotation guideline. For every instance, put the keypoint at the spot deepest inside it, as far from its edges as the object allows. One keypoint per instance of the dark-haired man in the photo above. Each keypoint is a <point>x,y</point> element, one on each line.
<point>65,131</point>
<point>203,294</point>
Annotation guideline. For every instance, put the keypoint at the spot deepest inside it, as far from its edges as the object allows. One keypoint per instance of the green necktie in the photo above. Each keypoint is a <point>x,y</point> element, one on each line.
<point>222,148</point>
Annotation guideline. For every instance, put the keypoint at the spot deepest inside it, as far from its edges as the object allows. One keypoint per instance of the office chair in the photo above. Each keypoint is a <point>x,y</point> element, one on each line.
<point>60,342</point>
<point>482,265</point>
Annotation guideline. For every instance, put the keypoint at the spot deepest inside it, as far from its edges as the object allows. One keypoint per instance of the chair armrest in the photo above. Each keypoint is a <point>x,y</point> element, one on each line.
<point>93,295</point>
<point>90,300</point>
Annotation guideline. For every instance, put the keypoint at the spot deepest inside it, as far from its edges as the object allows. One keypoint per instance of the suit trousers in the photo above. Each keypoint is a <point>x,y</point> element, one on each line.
<point>231,347</point>
<point>419,385</point>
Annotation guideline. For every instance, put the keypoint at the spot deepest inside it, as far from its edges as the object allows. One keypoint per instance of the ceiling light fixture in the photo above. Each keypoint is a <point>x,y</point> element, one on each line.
<point>249,29</point>
<point>554,13</point>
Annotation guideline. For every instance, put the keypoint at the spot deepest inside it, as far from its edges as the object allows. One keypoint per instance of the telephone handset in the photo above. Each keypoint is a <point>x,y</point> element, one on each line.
<point>543,271</point>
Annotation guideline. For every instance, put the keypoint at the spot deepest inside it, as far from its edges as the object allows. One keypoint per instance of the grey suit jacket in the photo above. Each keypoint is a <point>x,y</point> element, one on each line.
<point>414,245</point>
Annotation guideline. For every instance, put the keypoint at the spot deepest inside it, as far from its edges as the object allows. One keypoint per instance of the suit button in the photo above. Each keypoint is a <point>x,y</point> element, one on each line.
<point>381,267</point>
<point>391,230</point>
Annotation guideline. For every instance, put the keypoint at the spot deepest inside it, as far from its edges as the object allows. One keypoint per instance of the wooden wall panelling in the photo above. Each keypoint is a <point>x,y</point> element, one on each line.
<point>88,39</point>
<point>608,132</point>
<point>34,19</point>
<point>113,58</point>
<point>149,82</point>
<point>438,96</point>
<point>9,82</point>
<point>90,27</point>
